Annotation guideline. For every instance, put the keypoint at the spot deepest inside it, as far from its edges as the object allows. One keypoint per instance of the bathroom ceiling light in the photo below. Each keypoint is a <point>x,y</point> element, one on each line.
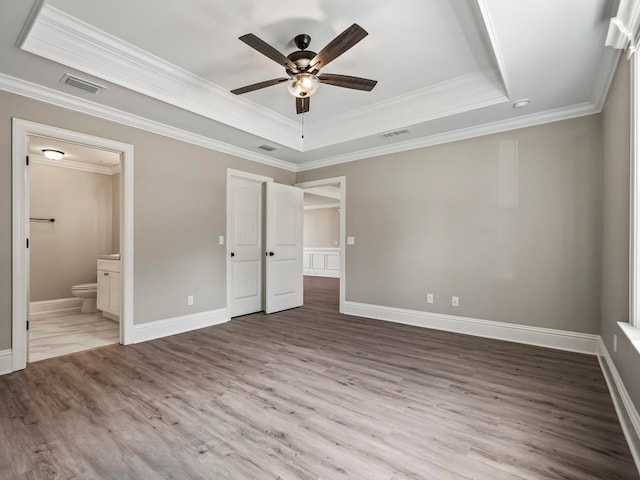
<point>53,154</point>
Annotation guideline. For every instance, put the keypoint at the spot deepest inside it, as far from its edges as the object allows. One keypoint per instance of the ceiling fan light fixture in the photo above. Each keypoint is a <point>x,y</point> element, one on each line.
<point>303,85</point>
<point>53,154</point>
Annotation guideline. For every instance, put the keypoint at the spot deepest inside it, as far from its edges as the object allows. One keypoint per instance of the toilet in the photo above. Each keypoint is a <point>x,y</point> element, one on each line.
<point>88,293</point>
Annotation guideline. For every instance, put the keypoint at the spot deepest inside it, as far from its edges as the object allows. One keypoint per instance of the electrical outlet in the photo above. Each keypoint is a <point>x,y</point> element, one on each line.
<point>351,240</point>
<point>615,343</point>
<point>190,300</point>
<point>429,297</point>
<point>455,301</point>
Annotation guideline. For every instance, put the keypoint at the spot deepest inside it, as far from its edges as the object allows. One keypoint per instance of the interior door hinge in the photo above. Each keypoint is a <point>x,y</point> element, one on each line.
<point>27,160</point>
<point>27,243</point>
<point>27,325</point>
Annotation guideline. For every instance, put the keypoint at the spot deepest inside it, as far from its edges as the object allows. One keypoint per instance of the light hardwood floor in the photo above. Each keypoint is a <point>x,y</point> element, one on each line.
<point>56,334</point>
<point>311,394</point>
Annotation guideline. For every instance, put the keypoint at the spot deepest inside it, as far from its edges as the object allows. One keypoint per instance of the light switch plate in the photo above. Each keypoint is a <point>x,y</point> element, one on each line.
<point>351,240</point>
<point>221,240</point>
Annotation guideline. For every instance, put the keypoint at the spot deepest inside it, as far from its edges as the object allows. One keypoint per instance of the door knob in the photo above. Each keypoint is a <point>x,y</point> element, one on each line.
<point>270,254</point>
<point>233,254</point>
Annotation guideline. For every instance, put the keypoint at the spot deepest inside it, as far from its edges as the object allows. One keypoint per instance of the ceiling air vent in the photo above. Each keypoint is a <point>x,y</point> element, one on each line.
<point>397,133</point>
<point>267,148</point>
<point>82,84</point>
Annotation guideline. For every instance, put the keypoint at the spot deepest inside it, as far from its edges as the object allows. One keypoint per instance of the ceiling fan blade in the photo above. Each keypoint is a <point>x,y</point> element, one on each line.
<point>302,105</point>
<point>258,86</point>
<point>339,45</point>
<point>268,51</point>
<point>347,81</point>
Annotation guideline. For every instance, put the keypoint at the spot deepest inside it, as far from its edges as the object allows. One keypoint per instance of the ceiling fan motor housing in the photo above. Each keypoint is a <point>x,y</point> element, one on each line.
<point>302,59</point>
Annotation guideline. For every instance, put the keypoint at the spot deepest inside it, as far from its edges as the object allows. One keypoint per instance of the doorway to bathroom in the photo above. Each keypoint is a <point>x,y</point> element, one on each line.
<point>72,242</point>
<point>74,223</point>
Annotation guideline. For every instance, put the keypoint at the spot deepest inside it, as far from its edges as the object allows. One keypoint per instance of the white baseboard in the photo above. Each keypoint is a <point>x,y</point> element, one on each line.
<point>6,362</point>
<point>542,337</point>
<point>627,413</point>
<point>173,326</point>
<point>56,305</point>
<point>321,273</point>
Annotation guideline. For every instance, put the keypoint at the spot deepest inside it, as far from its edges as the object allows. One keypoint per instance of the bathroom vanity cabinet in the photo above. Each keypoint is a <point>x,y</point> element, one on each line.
<point>109,287</point>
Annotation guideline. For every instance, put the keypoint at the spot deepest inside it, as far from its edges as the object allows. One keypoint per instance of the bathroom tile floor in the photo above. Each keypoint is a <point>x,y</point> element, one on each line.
<point>55,334</point>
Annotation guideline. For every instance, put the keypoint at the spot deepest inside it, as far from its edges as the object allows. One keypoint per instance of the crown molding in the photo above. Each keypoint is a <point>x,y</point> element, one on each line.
<point>624,27</point>
<point>463,134</point>
<point>61,99</point>
<point>72,165</point>
<point>60,37</point>
<point>451,97</point>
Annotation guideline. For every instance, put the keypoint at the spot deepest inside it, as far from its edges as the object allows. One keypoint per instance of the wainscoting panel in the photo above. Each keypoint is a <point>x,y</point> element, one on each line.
<point>321,262</point>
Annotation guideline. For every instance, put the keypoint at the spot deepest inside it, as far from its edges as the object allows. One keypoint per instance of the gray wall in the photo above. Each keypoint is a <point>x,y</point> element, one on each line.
<point>179,213</point>
<point>322,228</point>
<point>615,238</point>
<point>511,223</point>
<point>64,253</point>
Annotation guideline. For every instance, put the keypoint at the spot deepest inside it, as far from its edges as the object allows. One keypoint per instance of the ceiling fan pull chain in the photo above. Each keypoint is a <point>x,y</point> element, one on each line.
<point>302,124</point>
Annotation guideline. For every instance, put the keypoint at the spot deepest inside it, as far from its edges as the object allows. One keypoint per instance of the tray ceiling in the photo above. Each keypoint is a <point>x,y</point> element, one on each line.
<point>445,70</point>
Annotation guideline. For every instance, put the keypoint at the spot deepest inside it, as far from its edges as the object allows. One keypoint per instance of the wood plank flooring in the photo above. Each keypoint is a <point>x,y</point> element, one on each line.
<point>311,394</point>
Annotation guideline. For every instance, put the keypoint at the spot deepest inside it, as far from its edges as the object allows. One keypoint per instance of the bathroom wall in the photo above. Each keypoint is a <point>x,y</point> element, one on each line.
<point>322,228</point>
<point>64,253</point>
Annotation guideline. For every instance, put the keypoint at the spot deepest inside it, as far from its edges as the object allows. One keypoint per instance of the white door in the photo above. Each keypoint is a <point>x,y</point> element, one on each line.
<point>284,277</point>
<point>244,239</point>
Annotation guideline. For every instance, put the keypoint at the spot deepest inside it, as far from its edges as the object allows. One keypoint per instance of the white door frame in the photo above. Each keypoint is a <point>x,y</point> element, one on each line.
<point>249,176</point>
<point>343,206</point>
<point>20,221</point>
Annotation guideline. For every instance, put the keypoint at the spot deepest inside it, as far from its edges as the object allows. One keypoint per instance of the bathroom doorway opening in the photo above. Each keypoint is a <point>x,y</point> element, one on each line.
<point>74,247</point>
<point>72,242</point>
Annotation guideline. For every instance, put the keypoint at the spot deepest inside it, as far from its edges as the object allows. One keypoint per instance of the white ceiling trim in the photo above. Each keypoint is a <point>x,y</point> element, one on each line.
<point>462,134</point>
<point>65,39</point>
<point>61,99</point>
<point>70,164</point>
<point>458,95</point>
<point>497,52</point>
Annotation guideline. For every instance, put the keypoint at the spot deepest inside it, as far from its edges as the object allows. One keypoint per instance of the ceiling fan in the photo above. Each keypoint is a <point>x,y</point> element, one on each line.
<point>303,66</point>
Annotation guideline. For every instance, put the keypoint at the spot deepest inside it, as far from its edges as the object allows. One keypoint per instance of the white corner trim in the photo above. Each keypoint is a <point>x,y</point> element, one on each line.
<point>538,336</point>
<point>64,100</point>
<point>60,37</point>
<point>6,362</point>
<point>174,326</point>
<point>495,45</point>
<point>499,126</point>
<point>451,97</point>
<point>70,164</point>
<point>56,305</point>
<point>627,413</point>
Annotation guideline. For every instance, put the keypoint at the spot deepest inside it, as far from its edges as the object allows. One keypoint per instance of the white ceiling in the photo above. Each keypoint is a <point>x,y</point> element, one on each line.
<point>446,70</point>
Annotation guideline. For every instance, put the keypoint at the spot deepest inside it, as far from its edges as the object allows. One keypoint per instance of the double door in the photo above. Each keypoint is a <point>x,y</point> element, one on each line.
<point>264,246</point>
